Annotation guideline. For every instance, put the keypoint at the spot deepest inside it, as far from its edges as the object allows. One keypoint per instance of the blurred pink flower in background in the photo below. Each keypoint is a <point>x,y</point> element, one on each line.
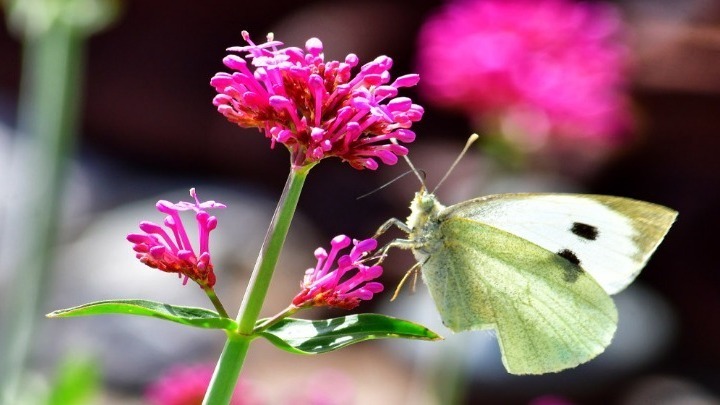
<point>318,108</point>
<point>534,71</point>
<point>550,400</point>
<point>325,387</point>
<point>186,385</point>
<point>342,286</point>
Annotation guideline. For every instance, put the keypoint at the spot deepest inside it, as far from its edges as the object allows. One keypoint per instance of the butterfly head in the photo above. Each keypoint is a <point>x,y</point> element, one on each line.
<point>423,208</point>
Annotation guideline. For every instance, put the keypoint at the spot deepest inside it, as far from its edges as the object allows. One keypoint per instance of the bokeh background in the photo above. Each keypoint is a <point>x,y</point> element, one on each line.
<point>150,131</point>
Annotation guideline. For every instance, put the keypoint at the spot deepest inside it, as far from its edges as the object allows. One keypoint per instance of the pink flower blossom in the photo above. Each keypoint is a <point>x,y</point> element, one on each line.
<point>186,385</point>
<point>544,68</point>
<point>315,108</point>
<point>158,250</point>
<point>338,287</point>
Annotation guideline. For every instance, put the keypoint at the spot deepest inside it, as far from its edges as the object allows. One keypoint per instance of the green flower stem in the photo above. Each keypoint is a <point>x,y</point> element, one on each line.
<point>54,34</point>
<point>227,370</point>
<point>270,250</point>
<point>47,118</point>
<point>233,355</point>
<point>210,292</point>
<point>290,310</point>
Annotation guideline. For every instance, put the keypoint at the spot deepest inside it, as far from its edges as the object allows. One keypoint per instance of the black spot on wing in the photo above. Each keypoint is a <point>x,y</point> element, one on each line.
<point>569,256</point>
<point>584,231</point>
<point>571,265</point>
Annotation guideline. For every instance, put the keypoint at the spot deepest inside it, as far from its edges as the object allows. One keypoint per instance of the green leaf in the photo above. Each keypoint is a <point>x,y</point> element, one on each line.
<point>303,336</point>
<point>198,317</point>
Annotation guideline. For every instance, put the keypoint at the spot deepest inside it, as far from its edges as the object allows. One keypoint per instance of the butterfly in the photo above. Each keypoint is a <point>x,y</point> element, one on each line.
<point>538,269</point>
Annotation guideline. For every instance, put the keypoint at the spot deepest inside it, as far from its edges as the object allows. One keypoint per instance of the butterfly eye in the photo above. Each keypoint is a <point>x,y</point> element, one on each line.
<point>427,201</point>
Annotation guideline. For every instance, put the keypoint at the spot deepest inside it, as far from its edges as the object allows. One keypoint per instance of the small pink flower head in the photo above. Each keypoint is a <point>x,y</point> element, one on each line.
<point>157,249</point>
<point>186,385</point>
<point>345,285</point>
<point>318,108</point>
<point>540,69</point>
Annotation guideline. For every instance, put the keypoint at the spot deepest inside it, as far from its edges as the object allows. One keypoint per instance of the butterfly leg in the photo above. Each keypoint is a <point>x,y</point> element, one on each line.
<point>414,271</point>
<point>398,243</point>
<point>390,223</point>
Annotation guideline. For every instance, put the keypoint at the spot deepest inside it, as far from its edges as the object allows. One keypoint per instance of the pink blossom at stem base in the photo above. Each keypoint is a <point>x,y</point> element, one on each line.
<point>345,285</point>
<point>186,385</point>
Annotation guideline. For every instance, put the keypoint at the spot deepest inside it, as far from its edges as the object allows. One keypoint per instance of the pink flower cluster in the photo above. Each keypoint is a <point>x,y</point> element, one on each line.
<point>315,108</point>
<point>175,254</point>
<point>338,287</point>
<point>547,67</point>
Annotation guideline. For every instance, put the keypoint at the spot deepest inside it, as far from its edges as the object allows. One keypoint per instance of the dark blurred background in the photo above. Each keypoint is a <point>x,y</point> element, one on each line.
<point>149,127</point>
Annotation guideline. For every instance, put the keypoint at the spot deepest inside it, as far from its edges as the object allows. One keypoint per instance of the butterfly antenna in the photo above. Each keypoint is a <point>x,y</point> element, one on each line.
<point>470,141</point>
<point>388,183</point>
<point>412,166</point>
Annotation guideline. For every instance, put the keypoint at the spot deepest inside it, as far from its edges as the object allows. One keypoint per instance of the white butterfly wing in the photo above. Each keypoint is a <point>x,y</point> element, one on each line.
<point>610,237</point>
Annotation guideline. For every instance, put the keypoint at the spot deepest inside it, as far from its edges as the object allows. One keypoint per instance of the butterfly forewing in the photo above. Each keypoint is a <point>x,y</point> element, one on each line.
<point>609,237</point>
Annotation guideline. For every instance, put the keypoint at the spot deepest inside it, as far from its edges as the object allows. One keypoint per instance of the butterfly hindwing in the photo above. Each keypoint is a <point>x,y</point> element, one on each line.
<point>548,313</point>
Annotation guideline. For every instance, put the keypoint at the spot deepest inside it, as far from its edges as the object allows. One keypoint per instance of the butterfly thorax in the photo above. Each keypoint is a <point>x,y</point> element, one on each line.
<point>423,221</point>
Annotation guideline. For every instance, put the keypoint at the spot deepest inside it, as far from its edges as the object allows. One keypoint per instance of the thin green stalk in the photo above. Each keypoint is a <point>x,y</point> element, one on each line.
<point>48,116</point>
<point>270,251</point>
<point>210,292</point>
<point>290,310</point>
<point>233,355</point>
<point>53,35</point>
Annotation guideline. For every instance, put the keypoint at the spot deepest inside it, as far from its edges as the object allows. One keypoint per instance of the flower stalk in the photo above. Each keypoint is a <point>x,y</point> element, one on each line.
<point>210,292</point>
<point>53,36</point>
<point>289,311</point>
<point>233,354</point>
